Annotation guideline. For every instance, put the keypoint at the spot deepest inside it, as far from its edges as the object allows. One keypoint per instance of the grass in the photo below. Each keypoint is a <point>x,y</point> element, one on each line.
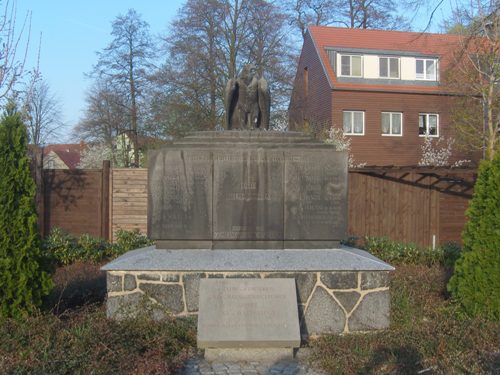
<point>427,334</point>
<point>73,336</point>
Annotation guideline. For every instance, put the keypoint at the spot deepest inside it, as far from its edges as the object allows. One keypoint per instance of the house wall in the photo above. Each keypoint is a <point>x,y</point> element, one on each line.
<point>53,161</point>
<point>374,148</point>
<point>312,110</point>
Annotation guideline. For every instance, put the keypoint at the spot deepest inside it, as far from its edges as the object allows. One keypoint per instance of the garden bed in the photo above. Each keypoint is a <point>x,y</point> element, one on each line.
<point>72,334</point>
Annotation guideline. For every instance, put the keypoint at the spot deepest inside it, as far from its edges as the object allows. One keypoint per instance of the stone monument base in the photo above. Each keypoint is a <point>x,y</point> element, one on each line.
<point>339,290</point>
<point>248,354</point>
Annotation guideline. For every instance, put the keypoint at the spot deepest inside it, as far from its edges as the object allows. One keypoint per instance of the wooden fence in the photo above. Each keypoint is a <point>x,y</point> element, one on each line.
<point>419,205</point>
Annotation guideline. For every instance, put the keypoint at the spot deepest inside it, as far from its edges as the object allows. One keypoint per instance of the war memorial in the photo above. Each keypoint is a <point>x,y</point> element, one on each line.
<point>248,225</point>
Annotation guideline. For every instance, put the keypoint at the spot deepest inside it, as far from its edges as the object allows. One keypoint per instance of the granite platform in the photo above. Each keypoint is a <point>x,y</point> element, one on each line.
<point>338,290</point>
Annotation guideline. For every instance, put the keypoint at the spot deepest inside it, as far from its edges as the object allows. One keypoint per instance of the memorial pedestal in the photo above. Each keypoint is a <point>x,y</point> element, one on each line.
<point>338,290</point>
<point>251,204</point>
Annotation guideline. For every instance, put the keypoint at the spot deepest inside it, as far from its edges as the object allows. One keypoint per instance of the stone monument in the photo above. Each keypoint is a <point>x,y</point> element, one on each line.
<point>250,205</point>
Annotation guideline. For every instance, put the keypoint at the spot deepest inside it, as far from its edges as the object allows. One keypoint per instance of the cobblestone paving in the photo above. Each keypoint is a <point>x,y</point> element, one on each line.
<point>198,366</point>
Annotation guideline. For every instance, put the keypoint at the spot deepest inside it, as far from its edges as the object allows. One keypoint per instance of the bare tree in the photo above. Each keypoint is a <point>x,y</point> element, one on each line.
<point>364,14</point>
<point>12,50</point>
<point>209,42</point>
<point>106,115</point>
<point>42,112</point>
<point>126,63</point>
<point>474,76</point>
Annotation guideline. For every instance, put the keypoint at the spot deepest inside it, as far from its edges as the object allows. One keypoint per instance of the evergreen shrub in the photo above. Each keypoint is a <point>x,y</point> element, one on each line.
<point>64,248</point>
<point>24,276</point>
<point>476,280</point>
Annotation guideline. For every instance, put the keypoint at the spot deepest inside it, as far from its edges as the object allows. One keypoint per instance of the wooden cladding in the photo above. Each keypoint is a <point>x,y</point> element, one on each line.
<point>129,200</point>
<point>423,207</point>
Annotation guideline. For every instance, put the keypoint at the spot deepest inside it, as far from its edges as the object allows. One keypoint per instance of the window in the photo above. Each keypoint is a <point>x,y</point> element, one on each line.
<point>354,122</point>
<point>426,69</point>
<point>428,124</point>
<point>389,67</point>
<point>392,123</point>
<point>350,65</point>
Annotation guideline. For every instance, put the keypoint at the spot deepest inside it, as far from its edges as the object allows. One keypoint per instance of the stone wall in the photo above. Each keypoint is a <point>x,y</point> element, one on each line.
<point>329,302</point>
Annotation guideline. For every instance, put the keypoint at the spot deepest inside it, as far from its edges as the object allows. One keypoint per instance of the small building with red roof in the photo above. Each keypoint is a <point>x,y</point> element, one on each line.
<point>63,156</point>
<point>383,88</point>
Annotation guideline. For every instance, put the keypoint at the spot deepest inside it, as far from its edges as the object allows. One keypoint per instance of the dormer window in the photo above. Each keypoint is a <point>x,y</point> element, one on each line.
<point>389,67</point>
<point>426,69</point>
<point>351,66</point>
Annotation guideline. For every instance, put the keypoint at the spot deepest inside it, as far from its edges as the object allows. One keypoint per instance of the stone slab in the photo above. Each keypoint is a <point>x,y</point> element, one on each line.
<point>243,189</point>
<point>267,355</point>
<point>180,194</point>
<point>248,313</point>
<point>315,195</point>
<point>248,195</point>
<point>205,260</point>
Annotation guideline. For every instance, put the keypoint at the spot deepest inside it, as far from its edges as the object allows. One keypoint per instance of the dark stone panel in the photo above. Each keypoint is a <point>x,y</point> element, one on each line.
<point>248,194</point>
<point>129,283</point>
<point>180,194</point>
<point>134,304</point>
<point>168,295</point>
<point>340,280</point>
<point>304,281</point>
<point>372,313</point>
<point>347,299</point>
<point>113,282</point>
<point>315,194</point>
<point>191,287</point>
<point>149,277</point>
<point>323,315</point>
<point>372,280</point>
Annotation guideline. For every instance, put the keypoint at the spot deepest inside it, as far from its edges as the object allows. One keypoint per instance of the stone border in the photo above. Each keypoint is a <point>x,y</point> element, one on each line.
<point>328,302</point>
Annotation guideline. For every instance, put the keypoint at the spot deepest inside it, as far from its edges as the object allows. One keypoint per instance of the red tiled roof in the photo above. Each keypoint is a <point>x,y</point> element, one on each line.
<point>420,43</point>
<point>68,147</point>
<point>70,158</point>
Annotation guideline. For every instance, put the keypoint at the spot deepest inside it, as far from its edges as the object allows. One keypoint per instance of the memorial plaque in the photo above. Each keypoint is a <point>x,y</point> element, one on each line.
<point>248,195</point>
<point>248,313</point>
<point>180,194</point>
<point>315,195</point>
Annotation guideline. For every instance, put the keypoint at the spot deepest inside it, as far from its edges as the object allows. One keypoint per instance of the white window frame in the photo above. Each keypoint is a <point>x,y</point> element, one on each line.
<point>427,125</point>
<point>352,124</point>
<point>424,77</point>
<point>389,67</point>
<point>391,134</point>
<point>350,65</point>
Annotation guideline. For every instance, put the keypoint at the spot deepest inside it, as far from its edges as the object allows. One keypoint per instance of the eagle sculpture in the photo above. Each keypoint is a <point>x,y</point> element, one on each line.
<point>248,101</point>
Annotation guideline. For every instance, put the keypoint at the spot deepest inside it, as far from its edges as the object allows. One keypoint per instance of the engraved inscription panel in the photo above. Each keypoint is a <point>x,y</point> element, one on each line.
<point>315,195</point>
<point>180,194</point>
<point>248,313</point>
<point>248,195</point>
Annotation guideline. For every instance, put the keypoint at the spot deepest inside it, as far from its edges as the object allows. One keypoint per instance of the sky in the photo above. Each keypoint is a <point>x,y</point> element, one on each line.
<point>73,31</point>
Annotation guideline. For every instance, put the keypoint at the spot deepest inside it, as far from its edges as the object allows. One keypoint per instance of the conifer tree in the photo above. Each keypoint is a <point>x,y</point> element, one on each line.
<point>476,281</point>
<point>23,280</point>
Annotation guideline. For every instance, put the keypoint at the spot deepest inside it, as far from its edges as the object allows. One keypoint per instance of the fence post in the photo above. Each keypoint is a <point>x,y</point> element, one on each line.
<point>105,198</point>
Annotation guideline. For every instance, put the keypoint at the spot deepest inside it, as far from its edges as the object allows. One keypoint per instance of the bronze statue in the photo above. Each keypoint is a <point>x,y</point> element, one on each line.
<point>248,101</point>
